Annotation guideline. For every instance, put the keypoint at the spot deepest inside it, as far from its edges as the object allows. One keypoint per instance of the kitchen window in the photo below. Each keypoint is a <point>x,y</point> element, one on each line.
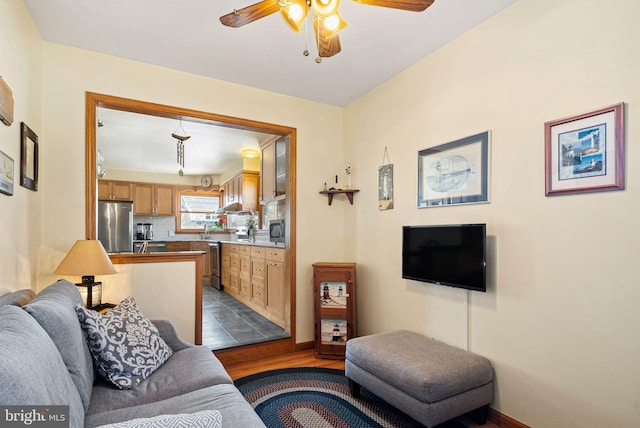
<point>197,208</point>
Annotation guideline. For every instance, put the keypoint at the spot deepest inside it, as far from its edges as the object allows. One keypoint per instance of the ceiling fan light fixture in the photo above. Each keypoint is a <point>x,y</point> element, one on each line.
<point>325,8</point>
<point>250,153</point>
<point>295,13</point>
<point>333,24</point>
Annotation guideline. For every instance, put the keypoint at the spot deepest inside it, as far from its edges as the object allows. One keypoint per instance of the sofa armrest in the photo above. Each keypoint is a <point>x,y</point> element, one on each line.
<point>169,334</point>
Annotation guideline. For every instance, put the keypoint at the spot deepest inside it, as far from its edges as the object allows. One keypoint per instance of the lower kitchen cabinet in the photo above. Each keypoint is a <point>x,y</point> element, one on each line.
<point>276,282</point>
<point>257,277</point>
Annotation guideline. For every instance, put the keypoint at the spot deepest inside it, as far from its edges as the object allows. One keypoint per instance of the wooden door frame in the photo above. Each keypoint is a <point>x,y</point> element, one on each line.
<point>95,100</point>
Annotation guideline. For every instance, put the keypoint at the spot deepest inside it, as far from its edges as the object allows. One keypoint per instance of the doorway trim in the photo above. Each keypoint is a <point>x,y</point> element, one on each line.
<point>95,100</point>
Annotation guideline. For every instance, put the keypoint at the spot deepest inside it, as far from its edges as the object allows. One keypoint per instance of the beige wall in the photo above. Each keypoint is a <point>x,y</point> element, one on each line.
<point>21,69</point>
<point>70,72</point>
<point>559,321</point>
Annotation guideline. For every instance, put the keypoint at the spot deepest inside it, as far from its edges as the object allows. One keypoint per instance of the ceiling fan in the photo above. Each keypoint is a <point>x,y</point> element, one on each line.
<point>327,22</point>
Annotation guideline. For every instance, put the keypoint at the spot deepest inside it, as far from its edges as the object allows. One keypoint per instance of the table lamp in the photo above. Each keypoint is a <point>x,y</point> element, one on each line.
<point>88,258</point>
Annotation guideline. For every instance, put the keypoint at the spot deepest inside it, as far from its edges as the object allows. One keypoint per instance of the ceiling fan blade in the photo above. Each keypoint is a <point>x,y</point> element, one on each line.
<point>327,46</point>
<point>248,14</point>
<point>410,5</point>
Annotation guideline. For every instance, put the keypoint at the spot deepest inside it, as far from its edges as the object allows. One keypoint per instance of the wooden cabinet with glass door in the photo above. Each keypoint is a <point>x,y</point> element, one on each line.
<point>334,293</point>
<point>273,168</point>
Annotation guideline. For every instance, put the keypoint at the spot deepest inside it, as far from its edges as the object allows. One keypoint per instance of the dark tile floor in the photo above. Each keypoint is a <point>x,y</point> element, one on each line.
<point>227,322</point>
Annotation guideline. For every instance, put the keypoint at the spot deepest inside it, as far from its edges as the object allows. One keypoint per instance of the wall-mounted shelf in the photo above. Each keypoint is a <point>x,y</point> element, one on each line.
<point>348,192</point>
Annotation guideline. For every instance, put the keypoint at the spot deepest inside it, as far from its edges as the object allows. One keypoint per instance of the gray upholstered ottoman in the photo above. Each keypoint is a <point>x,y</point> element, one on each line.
<point>429,380</point>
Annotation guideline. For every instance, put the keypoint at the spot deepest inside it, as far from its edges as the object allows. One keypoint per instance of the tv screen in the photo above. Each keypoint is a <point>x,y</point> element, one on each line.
<point>453,255</point>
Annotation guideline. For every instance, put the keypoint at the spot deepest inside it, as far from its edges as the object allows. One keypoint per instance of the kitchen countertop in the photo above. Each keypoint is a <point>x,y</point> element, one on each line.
<point>256,244</point>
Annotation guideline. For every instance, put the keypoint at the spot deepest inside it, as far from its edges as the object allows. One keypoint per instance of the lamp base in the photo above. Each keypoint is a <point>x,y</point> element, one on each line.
<point>102,307</point>
<point>90,291</point>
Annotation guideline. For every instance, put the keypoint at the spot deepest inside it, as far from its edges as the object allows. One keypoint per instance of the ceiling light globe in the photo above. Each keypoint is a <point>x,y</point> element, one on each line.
<point>325,8</point>
<point>294,14</point>
<point>333,24</point>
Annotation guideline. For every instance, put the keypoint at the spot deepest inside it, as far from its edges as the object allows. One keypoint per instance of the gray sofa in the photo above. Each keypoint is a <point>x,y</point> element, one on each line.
<point>45,360</point>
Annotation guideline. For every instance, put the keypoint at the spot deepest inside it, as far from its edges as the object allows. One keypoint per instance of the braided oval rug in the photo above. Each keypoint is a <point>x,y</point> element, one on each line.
<point>312,397</point>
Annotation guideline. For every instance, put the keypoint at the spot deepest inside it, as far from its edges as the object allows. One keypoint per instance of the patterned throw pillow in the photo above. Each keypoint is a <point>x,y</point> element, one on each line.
<point>126,347</point>
<point>203,419</point>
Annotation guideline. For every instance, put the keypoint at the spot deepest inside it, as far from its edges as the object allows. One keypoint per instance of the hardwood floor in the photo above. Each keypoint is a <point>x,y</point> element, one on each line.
<point>296,359</point>
<point>306,359</point>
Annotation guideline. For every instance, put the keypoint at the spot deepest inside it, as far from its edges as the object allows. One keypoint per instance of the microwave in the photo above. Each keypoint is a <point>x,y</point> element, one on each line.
<point>276,231</point>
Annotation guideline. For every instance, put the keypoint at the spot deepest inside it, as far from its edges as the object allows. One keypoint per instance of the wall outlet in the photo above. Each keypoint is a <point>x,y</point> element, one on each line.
<point>172,233</point>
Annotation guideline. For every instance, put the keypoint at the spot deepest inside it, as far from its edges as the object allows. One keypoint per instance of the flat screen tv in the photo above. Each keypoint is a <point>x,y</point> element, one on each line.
<point>453,255</point>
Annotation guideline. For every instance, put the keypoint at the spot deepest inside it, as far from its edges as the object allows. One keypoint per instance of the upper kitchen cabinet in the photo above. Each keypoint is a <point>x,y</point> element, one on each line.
<point>243,189</point>
<point>154,199</point>
<point>115,190</point>
<point>273,169</point>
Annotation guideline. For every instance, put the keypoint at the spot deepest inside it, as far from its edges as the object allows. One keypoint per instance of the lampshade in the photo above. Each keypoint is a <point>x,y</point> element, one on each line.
<point>325,8</point>
<point>294,13</point>
<point>86,258</point>
<point>333,24</point>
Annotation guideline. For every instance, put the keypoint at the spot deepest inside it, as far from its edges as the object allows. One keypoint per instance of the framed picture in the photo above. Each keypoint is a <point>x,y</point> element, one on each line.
<point>334,294</point>
<point>454,173</point>
<point>333,331</point>
<point>385,187</point>
<point>29,158</point>
<point>585,153</point>
<point>6,174</point>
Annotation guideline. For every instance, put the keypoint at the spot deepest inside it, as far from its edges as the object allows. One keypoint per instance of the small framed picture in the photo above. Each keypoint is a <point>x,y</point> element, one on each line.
<point>585,153</point>
<point>29,158</point>
<point>385,187</point>
<point>333,331</point>
<point>6,174</point>
<point>454,173</point>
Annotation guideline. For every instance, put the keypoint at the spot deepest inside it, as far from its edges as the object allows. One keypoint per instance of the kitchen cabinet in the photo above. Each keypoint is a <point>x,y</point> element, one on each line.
<point>195,246</point>
<point>225,265</point>
<point>154,199</point>
<point>334,294</point>
<point>276,282</point>
<point>243,189</point>
<point>114,190</point>
<point>244,271</point>
<point>258,270</point>
<point>262,279</point>
<point>273,169</point>
<point>231,269</point>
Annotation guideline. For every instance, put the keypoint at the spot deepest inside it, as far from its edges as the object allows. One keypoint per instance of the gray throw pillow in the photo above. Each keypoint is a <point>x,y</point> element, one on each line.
<point>125,345</point>
<point>54,309</point>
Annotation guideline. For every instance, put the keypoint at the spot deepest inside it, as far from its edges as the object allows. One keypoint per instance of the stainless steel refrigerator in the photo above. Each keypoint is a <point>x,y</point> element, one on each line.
<point>115,226</point>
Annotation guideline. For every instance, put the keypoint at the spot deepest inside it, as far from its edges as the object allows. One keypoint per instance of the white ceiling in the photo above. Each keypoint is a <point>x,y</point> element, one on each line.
<point>187,35</point>
<point>137,142</point>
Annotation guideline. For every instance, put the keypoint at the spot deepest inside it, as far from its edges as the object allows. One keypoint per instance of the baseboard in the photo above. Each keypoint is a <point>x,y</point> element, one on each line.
<point>305,346</point>
<point>254,352</point>
<point>504,421</point>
